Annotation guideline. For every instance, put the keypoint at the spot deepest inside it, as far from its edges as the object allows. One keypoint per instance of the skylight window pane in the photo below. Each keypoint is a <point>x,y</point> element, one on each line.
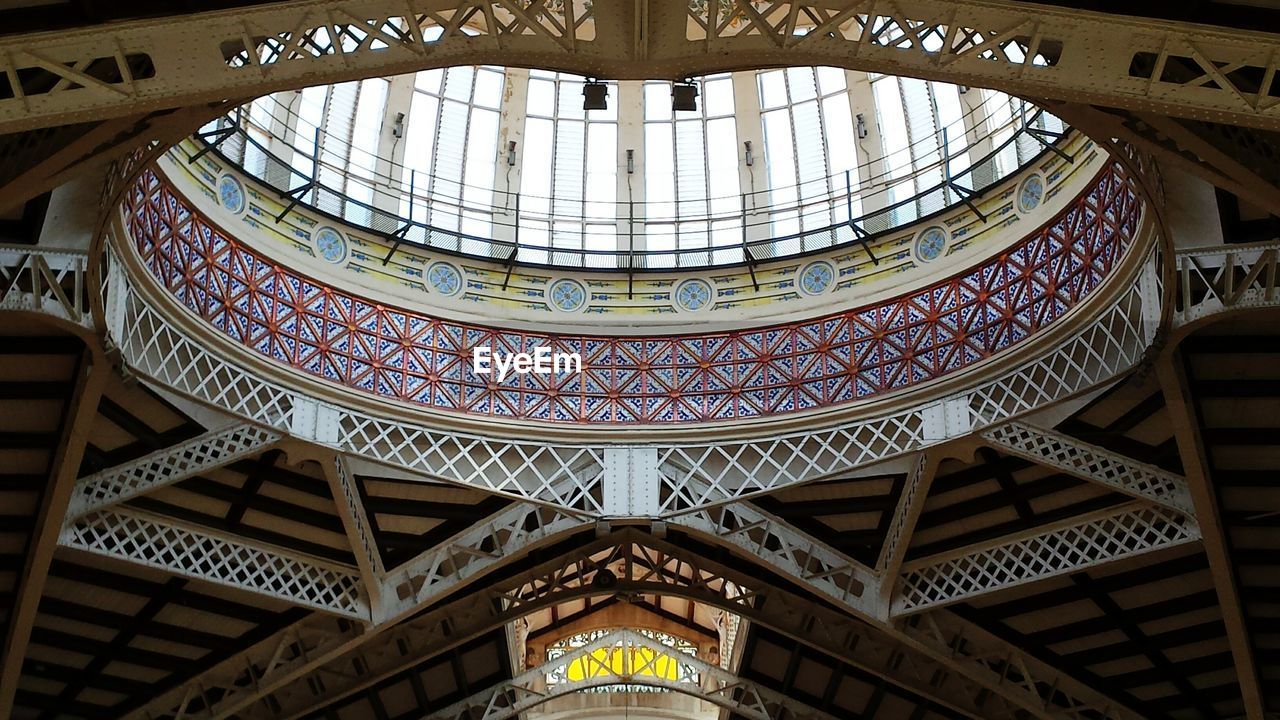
<point>657,101</point>
<point>428,81</point>
<point>830,80</point>
<point>800,83</point>
<point>488,91</point>
<point>773,89</point>
<point>535,176</point>
<point>542,98</point>
<point>457,83</point>
<point>718,97</point>
<point>370,110</point>
<point>659,172</point>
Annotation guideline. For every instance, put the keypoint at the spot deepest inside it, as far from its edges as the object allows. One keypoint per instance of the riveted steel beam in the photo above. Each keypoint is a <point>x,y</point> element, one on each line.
<point>1032,50</point>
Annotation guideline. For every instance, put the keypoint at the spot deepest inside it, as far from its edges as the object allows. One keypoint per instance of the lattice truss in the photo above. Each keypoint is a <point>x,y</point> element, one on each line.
<point>1081,543</point>
<point>850,356</point>
<point>694,677</point>
<point>196,552</point>
<point>47,281</point>
<point>168,466</point>
<point>1181,69</point>
<point>1062,452</point>
<point>1212,280</point>
<point>963,676</point>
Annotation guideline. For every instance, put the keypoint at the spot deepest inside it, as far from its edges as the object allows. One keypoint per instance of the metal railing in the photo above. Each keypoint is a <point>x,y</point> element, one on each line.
<point>512,228</point>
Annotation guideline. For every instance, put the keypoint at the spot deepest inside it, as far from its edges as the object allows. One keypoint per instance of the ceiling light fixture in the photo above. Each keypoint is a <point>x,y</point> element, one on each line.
<point>684,96</point>
<point>595,95</point>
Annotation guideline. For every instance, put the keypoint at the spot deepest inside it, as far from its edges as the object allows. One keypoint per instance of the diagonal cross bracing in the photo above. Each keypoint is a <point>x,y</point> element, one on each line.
<point>1092,463</point>
<point>168,466</point>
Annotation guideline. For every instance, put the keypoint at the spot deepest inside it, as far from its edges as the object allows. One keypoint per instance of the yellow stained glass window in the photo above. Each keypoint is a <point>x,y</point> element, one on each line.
<point>636,662</point>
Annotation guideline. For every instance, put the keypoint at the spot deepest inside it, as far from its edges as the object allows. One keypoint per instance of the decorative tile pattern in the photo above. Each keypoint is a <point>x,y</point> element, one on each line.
<point>832,360</point>
<point>444,278</point>
<point>816,277</point>
<point>331,245</point>
<point>231,193</point>
<point>568,295</point>
<point>1030,193</point>
<point>693,294</point>
<point>930,243</point>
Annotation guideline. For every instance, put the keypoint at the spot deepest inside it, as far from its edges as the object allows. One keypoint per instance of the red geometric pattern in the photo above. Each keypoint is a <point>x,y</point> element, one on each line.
<point>840,358</point>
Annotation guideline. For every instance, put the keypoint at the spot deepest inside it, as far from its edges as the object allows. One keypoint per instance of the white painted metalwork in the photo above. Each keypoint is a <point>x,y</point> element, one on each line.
<point>694,677</point>
<point>359,532</point>
<point>1092,463</point>
<point>637,564</point>
<point>1213,280</point>
<point>1048,52</point>
<point>1071,546</point>
<point>907,512</point>
<point>501,537</point>
<point>784,548</point>
<point>204,554</point>
<point>168,466</point>
<point>404,591</point>
<point>45,280</point>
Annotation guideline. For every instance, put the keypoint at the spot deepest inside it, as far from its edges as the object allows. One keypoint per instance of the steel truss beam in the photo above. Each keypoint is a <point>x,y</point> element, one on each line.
<point>92,374</point>
<point>47,281</point>
<point>967,670</point>
<point>356,524</point>
<point>1089,462</point>
<point>1044,685</point>
<point>205,554</point>
<point>1071,546</point>
<point>693,677</point>
<point>1214,280</point>
<point>1183,416</point>
<point>168,466</point>
<point>1035,51</point>
<point>910,504</point>
<point>571,475</point>
<point>636,564</point>
<point>403,592</point>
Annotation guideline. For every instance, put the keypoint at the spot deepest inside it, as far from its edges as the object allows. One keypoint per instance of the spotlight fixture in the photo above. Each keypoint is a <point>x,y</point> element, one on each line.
<point>684,96</point>
<point>511,153</point>
<point>747,156</point>
<point>862,127</point>
<point>595,95</point>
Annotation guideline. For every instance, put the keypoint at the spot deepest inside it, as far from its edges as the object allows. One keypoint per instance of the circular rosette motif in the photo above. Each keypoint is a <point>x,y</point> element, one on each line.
<point>231,194</point>
<point>693,295</point>
<point>331,245</point>
<point>444,278</point>
<point>1030,193</point>
<point>816,277</point>
<point>568,295</point>
<point>930,243</point>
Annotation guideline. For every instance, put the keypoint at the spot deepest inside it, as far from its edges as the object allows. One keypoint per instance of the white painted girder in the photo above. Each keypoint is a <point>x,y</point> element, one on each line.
<point>1030,50</point>
<point>205,554</point>
<point>1073,545</point>
<point>1217,279</point>
<point>1090,462</point>
<point>168,466</point>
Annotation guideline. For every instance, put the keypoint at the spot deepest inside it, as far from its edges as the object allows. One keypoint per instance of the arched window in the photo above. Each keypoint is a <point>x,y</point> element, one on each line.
<point>616,660</point>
